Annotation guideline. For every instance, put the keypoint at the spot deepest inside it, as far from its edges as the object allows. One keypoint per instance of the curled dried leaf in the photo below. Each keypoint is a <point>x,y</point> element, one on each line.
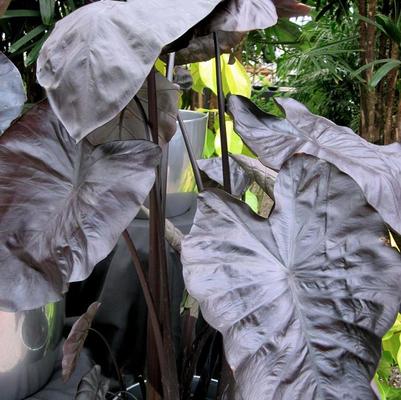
<point>74,343</point>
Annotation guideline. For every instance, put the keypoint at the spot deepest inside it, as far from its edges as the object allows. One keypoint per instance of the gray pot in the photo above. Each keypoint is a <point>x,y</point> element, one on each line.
<point>29,345</point>
<point>180,178</point>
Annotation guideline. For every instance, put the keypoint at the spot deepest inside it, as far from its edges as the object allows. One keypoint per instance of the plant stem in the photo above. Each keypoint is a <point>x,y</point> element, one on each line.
<point>154,321</point>
<point>154,371</point>
<point>222,117</point>
<point>113,359</point>
<point>158,275</point>
<point>144,116</point>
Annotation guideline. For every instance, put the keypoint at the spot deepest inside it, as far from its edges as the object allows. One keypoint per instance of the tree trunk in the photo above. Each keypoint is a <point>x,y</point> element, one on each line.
<point>389,103</point>
<point>397,137</point>
<point>368,128</point>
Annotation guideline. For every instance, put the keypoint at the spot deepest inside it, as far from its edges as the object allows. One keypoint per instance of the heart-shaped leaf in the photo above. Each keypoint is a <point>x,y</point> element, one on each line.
<point>302,298</point>
<point>12,93</point>
<point>97,58</point>
<point>63,205</point>
<point>376,169</point>
<point>75,341</point>
<point>130,123</point>
<point>93,386</point>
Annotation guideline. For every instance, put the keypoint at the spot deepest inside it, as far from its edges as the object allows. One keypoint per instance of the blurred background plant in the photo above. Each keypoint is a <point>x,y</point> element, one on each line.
<point>24,27</point>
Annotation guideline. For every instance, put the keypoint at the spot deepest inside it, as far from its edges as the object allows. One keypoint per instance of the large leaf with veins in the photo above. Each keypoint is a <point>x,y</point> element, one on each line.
<point>63,205</point>
<point>303,298</point>
<point>376,169</point>
<point>96,59</point>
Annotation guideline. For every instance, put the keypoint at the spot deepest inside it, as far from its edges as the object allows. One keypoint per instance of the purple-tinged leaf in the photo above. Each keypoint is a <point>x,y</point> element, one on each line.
<point>93,386</point>
<point>12,93</point>
<point>240,16</point>
<point>376,169</point>
<point>233,18</point>
<point>63,205</point>
<point>291,8</point>
<point>212,167</point>
<point>75,341</point>
<point>130,123</point>
<point>97,58</point>
<point>201,48</point>
<point>257,172</point>
<point>244,170</point>
<point>302,298</point>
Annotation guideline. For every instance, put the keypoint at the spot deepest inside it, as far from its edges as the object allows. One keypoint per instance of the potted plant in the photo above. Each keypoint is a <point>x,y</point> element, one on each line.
<point>301,299</point>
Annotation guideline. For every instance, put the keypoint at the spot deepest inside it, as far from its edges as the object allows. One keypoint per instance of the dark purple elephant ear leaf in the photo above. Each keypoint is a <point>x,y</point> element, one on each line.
<point>376,169</point>
<point>75,341</point>
<point>97,58</point>
<point>63,205</point>
<point>12,93</point>
<point>240,16</point>
<point>302,298</point>
<point>201,48</point>
<point>93,386</point>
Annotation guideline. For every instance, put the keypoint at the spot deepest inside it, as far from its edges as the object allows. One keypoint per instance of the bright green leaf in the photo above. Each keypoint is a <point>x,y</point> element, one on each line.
<point>47,11</point>
<point>235,78</point>
<point>197,83</point>
<point>234,142</point>
<point>383,71</point>
<point>27,38</point>
<point>33,54</point>
<point>252,200</point>
<point>208,149</point>
<point>20,13</point>
<point>160,66</point>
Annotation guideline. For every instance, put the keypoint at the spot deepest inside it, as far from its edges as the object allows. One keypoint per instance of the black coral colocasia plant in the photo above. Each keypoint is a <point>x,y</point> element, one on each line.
<point>302,298</point>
